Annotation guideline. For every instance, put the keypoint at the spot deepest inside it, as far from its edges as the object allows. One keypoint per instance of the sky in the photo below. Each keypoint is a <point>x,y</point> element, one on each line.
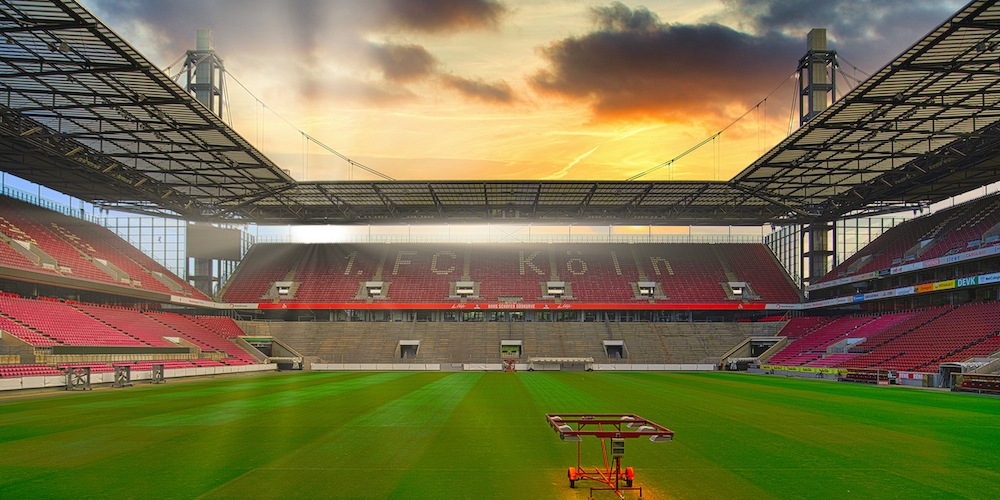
<point>517,89</point>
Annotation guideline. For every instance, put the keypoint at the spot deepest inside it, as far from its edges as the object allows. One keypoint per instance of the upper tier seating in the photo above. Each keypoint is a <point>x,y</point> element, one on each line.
<point>119,252</point>
<point>18,224</point>
<point>598,270</point>
<point>78,247</point>
<point>333,272</point>
<point>689,273</point>
<point>595,273</point>
<point>756,264</point>
<point>416,275</point>
<point>967,231</point>
<point>264,264</point>
<point>511,270</point>
<point>953,230</point>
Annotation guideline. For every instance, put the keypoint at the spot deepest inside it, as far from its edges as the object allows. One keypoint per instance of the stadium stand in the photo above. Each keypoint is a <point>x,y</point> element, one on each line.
<point>333,272</point>
<point>204,337</point>
<point>43,323</point>
<point>831,360</point>
<point>419,275</point>
<point>426,273</point>
<point>79,249</point>
<point>756,264</point>
<point>597,273</point>
<point>511,271</point>
<point>222,325</point>
<point>953,335</point>
<point>812,346</point>
<point>812,342</point>
<point>802,325</point>
<point>68,260</point>
<point>969,230</point>
<point>62,323</point>
<point>264,264</point>
<point>137,325</point>
<point>915,320</point>
<point>960,228</point>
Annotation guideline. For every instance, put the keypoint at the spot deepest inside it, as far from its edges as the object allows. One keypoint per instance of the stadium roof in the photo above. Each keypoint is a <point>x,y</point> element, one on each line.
<point>85,114</point>
<point>922,129</point>
<point>598,202</point>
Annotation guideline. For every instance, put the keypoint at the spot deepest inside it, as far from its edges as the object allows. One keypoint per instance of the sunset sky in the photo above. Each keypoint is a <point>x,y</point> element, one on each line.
<point>517,89</point>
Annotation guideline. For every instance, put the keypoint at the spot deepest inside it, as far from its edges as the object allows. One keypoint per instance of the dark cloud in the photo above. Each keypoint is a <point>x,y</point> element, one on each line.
<point>443,15</point>
<point>848,19</point>
<point>868,33</point>
<point>618,17</point>
<point>496,93</point>
<point>403,63</point>
<point>635,66</point>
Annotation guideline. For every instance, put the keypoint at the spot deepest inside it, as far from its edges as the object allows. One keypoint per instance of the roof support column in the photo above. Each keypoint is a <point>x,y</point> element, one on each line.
<point>817,254</point>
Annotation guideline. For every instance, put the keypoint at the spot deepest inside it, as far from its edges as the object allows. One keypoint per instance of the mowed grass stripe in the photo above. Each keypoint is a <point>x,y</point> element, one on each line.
<point>602,393</point>
<point>38,420</point>
<point>187,460</point>
<point>366,456</point>
<point>673,405</point>
<point>494,445</point>
<point>802,447</point>
<point>63,410</point>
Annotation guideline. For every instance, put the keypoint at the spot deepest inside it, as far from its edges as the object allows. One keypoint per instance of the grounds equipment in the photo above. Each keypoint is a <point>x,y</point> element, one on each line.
<point>613,427</point>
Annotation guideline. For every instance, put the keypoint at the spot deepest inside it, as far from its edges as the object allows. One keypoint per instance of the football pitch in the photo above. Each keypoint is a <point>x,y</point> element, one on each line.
<point>483,435</point>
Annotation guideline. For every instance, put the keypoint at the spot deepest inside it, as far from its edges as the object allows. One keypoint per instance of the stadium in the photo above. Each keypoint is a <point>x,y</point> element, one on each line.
<point>844,342</point>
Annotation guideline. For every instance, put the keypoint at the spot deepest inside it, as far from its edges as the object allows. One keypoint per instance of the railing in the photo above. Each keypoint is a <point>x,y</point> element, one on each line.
<point>34,199</point>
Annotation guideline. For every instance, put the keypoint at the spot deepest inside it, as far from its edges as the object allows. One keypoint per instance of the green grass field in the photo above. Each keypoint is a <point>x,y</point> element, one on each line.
<point>475,435</point>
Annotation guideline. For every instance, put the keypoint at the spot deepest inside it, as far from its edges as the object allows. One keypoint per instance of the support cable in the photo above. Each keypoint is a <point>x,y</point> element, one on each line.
<point>713,136</point>
<point>308,137</point>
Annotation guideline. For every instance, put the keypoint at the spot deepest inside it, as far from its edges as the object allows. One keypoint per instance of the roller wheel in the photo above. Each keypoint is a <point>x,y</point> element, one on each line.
<point>628,482</point>
<point>572,483</point>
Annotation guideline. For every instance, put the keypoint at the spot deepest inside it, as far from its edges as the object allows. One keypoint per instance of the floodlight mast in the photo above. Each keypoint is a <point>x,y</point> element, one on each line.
<point>614,426</point>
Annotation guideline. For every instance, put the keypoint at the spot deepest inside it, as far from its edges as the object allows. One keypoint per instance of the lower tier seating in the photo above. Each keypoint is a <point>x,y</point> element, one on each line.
<point>27,370</point>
